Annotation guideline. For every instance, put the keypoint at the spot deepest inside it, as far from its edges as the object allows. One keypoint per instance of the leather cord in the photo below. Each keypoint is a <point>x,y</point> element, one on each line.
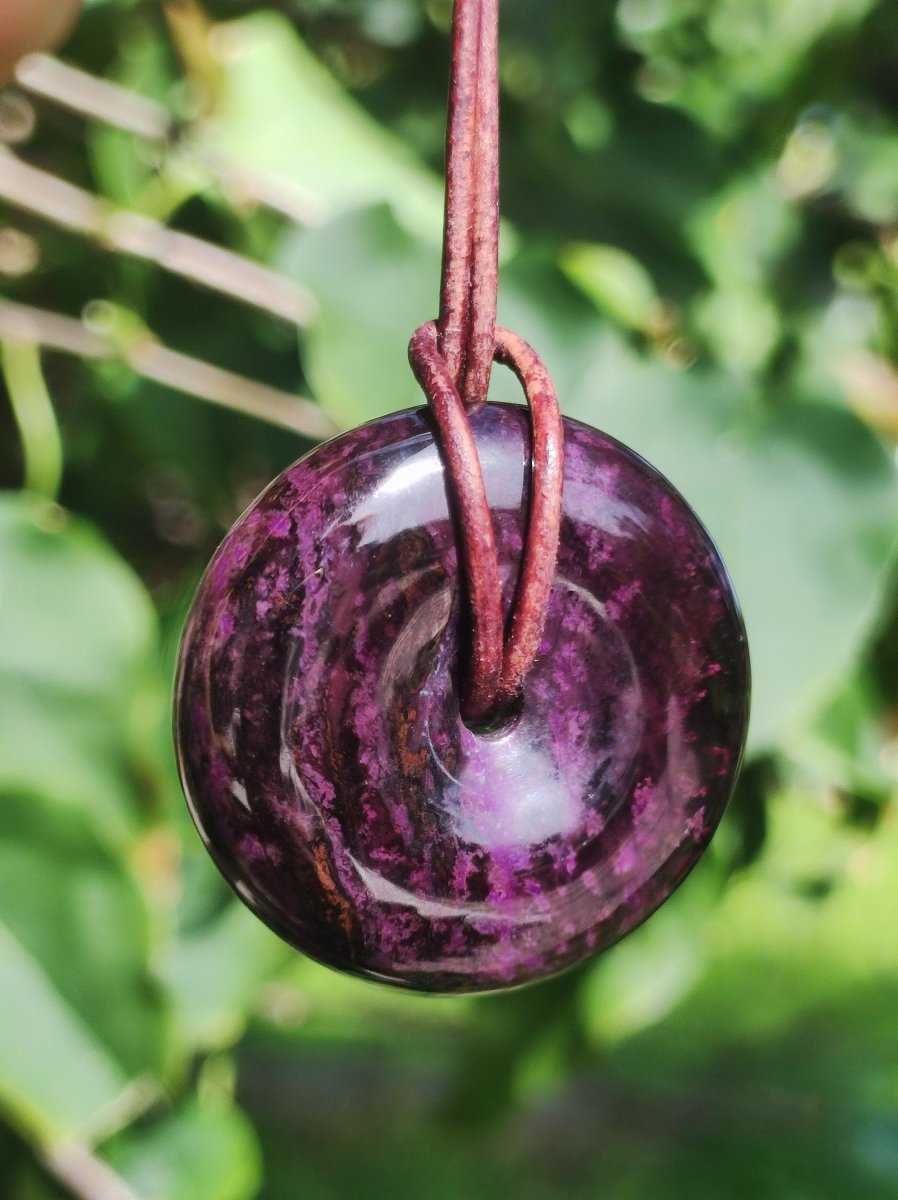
<point>452,359</point>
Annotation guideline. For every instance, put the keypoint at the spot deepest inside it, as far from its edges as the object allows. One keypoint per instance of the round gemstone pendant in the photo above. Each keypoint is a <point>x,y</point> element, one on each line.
<point>321,745</point>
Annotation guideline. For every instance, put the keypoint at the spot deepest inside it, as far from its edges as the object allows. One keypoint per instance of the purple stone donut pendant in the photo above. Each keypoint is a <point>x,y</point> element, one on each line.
<point>319,735</point>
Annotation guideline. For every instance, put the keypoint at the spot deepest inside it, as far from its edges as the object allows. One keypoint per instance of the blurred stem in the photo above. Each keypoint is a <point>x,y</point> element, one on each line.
<point>125,232</point>
<point>33,412</point>
<point>118,335</point>
<point>83,1175</point>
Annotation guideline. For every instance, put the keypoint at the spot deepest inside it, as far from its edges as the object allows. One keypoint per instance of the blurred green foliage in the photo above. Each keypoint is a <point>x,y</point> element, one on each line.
<point>701,200</point>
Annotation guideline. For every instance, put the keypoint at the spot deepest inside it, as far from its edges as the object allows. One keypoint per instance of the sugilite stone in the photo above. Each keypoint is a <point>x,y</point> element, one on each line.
<point>321,747</point>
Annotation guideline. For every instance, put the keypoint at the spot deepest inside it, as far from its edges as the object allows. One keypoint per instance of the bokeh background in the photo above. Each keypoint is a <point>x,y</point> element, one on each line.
<point>701,200</point>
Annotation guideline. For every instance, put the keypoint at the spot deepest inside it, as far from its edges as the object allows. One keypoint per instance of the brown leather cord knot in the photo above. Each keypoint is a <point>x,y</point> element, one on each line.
<point>498,666</point>
<point>452,359</point>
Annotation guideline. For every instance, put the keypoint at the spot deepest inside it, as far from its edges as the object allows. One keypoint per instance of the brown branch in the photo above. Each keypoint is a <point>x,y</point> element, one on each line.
<point>83,1174</point>
<point>200,262</point>
<point>110,103</point>
<point>94,98</point>
<point>149,359</point>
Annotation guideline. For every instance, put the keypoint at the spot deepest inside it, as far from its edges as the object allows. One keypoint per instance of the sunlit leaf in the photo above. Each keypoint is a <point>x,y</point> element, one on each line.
<point>215,973</point>
<point>80,1015</point>
<point>615,281</point>
<point>282,113</point>
<point>76,636</point>
<point>203,1150</point>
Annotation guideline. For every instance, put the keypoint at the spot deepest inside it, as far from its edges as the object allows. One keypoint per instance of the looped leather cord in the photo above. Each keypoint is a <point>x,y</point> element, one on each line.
<point>452,359</point>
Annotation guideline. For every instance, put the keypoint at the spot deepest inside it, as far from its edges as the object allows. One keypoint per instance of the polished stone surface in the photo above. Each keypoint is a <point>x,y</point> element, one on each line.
<point>318,727</point>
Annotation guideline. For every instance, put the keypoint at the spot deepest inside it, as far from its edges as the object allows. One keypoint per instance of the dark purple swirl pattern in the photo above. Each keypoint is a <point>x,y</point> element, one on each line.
<point>318,729</point>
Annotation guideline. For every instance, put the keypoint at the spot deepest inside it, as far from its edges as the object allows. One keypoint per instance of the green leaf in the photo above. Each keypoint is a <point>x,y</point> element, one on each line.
<point>80,1015</point>
<point>48,1085</point>
<point>215,973</point>
<point>615,281</point>
<point>640,981</point>
<point>745,53</point>
<point>846,744</point>
<point>375,283</point>
<point>282,113</point>
<point>77,634</point>
<point>771,939</point>
<point>801,501</point>
<point>203,1150</point>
